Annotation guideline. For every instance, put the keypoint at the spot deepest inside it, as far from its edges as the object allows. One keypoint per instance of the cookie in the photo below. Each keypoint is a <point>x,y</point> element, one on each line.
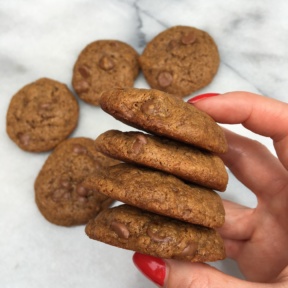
<point>41,115</point>
<point>186,162</point>
<point>134,229</point>
<point>59,193</point>
<point>180,60</point>
<point>160,193</point>
<point>157,112</point>
<point>102,65</point>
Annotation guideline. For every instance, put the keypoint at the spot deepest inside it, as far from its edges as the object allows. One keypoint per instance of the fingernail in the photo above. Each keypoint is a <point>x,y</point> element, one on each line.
<point>153,268</point>
<point>202,96</point>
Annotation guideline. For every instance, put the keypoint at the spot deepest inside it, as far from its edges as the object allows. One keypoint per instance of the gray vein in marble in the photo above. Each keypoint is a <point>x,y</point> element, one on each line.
<point>10,67</point>
<point>141,35</point>
<point>256,18</point>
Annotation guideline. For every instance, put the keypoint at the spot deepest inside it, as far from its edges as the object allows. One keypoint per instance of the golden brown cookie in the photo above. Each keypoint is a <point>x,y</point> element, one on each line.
<point>160,193</point>
<point>201,167</point>
<point>180,60</point>
<point>102,65</point>
<point>159,113</point>
<point>41,115</point>
<point>134,229</point>
<point>59,193</point>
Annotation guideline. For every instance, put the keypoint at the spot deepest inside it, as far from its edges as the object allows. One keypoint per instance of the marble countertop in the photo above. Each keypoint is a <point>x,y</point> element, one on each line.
<point>43,39</point>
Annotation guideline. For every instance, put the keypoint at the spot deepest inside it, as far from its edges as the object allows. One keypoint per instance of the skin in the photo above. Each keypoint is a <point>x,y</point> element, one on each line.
<point>255,238</point>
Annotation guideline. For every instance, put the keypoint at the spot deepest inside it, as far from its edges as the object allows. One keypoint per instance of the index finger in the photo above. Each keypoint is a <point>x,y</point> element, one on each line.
<point>262,115</point>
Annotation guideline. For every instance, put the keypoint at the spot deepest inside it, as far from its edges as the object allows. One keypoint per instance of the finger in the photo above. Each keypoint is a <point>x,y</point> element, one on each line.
<point>233,248</point>
<point>239,222</point>
<point>255,166</point>
<point>262,115</point>
<point>238,227</point>
<point>181,274</point>
<point>189,275</point>
<point>194,275</point>
<point>172,273</point>
<point>283,276</point>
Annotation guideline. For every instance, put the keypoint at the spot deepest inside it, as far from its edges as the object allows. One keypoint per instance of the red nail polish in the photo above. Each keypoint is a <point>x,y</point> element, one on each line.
<point>202,96</point>
<point>152,267</point>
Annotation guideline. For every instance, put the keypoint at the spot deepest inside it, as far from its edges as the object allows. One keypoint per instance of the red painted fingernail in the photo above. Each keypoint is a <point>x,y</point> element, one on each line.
<point>202,96</point>
<point>153,268</point>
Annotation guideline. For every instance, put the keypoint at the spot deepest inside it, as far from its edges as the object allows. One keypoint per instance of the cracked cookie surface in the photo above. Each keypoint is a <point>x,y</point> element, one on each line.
<point>102,65</point>
<point>158,113</point>
<point>180,60</point>
<point>160,193</point>
<point>59,193</point>
<point>134,229</point>
<point>184,161</point>
<point>41,115</point>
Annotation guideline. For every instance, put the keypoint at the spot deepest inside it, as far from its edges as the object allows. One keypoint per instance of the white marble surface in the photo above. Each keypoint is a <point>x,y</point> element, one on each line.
<point>43,38</point>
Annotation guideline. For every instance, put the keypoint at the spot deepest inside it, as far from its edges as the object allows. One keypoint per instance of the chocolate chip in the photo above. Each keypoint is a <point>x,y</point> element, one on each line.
<point>114,44</point>
<point>148,107</point>
<point>66,195</point>
<point>58,194</point>
<point>120,229</point>
<point>79,149</point>
<point>189,250</point>
<point>66,184</point>
<point>24,138</point>
<point>82,191</point>
<point>187,213</point>
<point>45,110</point>
<point>82,86</point>
<point>165,79</point>
<point>188,38</point>
<point>172,45</point>
<point>106,63</point>
<point>138,144</point>
<point>18,114</point>
<point>84,71</point>
<point>153,107</point>
<point>82,199</point>
<point>155,233</point>
<point>45,106</point>
<point>126,110</point>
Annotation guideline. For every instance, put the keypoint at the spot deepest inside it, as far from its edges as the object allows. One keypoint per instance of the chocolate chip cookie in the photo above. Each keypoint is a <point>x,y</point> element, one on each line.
<point>180,60</point>
<point>160,193</point>
<point>102,65</point>
<point>159,113</point>
<point>41,115</point>
<point>134,229</point>
<point>186,162</point>
<point>59,193</point>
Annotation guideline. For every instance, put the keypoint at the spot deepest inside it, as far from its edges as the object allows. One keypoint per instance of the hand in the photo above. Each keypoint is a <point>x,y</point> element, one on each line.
<point>257,239</point>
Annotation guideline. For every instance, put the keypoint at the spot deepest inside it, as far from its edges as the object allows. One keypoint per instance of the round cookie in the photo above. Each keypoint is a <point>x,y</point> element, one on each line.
<point>41,115</point>
<point>157,112</point>
<point>59,193</point>
<point>160,193</point>
<point>102,65</point>
<point>134,229</point>
<point>180,60</point>
<point>201,167</point>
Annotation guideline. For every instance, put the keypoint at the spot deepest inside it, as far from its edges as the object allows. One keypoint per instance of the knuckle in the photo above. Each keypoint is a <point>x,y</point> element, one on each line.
<point>200,283</point>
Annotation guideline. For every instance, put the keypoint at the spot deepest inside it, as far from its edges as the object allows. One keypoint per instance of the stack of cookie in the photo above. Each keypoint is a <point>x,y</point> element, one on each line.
<point>166,180</point>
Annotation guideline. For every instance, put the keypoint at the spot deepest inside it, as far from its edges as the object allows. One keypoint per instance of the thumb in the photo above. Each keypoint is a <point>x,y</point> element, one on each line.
<point>176,274</point>
<point>200,275</point>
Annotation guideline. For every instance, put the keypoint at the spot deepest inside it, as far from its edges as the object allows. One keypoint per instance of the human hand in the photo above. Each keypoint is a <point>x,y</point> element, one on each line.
<point>256,238</point>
